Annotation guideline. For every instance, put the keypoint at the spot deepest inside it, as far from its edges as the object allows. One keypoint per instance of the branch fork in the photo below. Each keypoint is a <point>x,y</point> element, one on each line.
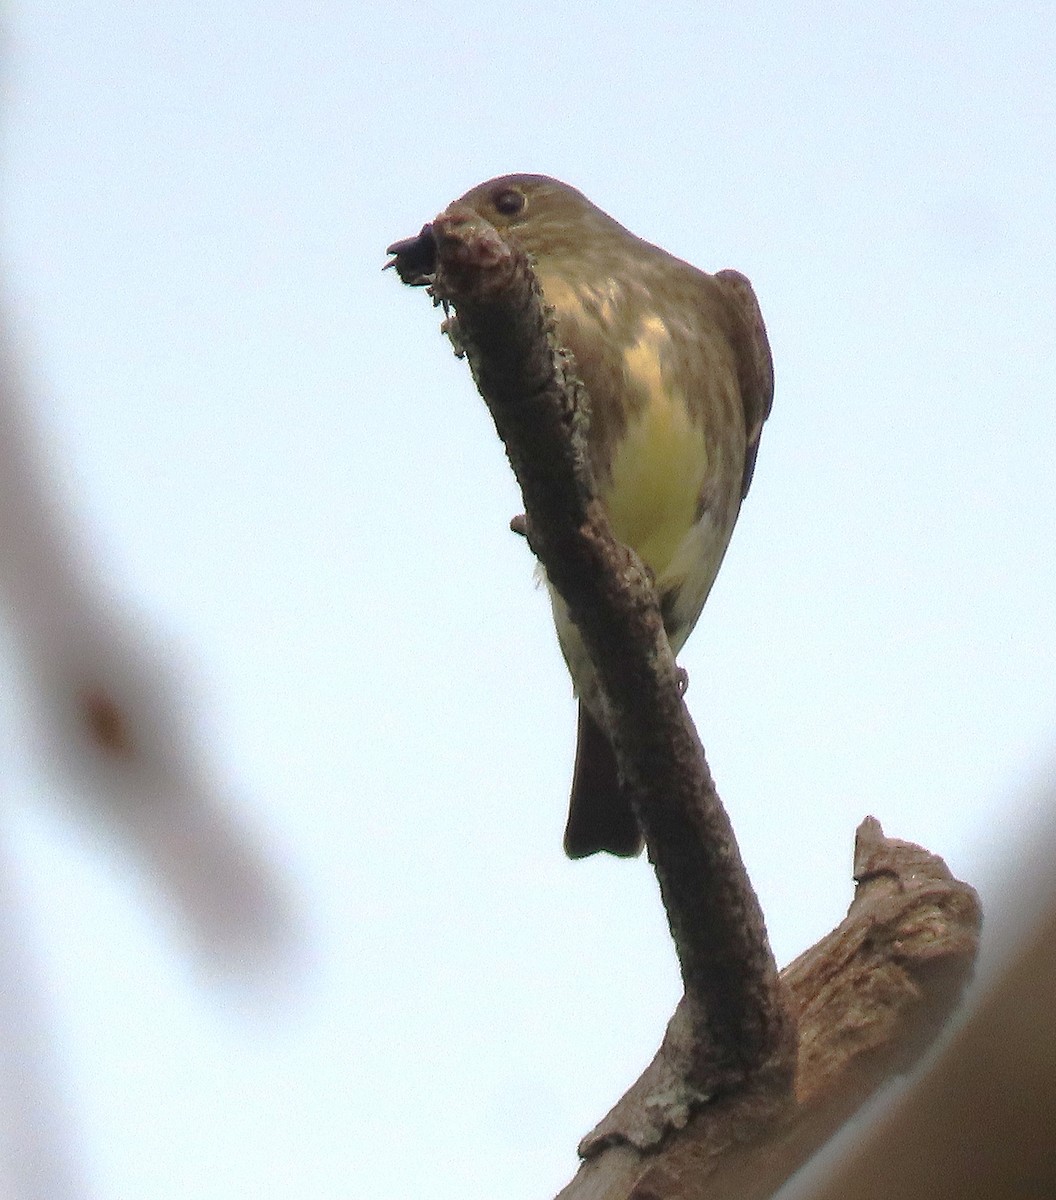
<point>729,1076</point>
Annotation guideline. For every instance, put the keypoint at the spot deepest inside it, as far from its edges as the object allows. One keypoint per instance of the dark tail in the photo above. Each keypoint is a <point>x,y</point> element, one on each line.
<point>600,816</point>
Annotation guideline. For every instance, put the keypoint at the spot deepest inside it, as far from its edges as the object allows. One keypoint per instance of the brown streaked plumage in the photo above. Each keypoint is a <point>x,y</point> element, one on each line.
<point>678,369</point>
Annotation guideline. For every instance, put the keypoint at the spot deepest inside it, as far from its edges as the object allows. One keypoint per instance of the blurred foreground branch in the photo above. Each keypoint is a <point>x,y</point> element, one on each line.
<point>113,725</point>
<point>119,747</point>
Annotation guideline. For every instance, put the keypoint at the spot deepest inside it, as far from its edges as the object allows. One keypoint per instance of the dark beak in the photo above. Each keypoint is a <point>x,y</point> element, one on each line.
<point>414,258</point>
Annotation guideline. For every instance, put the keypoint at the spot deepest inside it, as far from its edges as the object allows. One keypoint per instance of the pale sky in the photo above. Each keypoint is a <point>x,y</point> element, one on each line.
<point>282,471</point>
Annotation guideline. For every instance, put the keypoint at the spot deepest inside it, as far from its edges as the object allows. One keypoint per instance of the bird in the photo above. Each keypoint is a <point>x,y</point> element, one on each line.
<point>678,370</point>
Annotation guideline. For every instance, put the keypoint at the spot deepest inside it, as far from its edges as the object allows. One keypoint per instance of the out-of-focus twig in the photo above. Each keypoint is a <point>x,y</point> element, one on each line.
<point>113,722</point>
<point>38,1152</point>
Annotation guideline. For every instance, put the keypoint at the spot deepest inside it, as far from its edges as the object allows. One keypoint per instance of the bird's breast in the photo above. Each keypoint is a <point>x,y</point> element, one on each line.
<point>658,471</point>
<point>649,443</point>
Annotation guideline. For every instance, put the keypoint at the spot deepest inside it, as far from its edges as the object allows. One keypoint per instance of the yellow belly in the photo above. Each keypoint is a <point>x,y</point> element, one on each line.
<point>658,472</point>
<point>653,483</point>
<point>660,463</point>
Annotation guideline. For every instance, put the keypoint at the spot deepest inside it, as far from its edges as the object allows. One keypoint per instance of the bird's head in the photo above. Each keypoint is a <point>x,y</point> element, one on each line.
<point>542,214</point>
<point>551,221</point>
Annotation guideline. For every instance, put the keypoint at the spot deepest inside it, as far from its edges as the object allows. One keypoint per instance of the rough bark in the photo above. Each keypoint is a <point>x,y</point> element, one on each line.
<point>732,1103</point>
<point>869,998</point>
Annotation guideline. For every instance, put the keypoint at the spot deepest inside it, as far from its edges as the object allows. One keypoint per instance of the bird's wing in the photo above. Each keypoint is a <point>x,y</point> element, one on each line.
<point>755,367</point>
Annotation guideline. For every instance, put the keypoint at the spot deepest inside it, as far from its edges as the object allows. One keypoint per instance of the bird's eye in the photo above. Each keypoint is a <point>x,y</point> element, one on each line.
<point>508,201</point>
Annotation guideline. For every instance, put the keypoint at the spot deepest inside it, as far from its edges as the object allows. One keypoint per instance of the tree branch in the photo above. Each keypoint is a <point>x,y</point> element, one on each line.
<point>731,1105</point>
<point>737,1029</point>
<point>869,999</point>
